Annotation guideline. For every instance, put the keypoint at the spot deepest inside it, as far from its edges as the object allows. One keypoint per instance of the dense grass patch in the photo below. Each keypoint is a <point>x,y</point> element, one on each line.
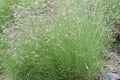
<point>69,48</point>
<point>6,12</point>
<point>112,11</point>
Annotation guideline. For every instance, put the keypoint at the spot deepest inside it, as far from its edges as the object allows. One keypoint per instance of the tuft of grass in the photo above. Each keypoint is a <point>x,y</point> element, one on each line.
<point>69,48</point>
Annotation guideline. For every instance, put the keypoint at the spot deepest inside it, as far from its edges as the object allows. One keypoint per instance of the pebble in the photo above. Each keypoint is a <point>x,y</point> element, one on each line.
<point>111,76</point>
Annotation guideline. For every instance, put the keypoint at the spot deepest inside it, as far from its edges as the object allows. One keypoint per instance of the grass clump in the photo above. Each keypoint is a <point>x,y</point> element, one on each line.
<point>68,48</point>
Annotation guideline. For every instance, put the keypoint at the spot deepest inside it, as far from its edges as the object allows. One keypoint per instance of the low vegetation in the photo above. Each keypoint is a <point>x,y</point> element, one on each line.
<point>70,47</point>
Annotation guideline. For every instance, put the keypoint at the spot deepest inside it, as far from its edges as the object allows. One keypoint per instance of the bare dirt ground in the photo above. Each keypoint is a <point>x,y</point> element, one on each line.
<point>112,64</point>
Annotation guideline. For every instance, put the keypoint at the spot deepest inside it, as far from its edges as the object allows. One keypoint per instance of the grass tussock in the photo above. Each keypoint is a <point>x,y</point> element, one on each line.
<point>69,48</point>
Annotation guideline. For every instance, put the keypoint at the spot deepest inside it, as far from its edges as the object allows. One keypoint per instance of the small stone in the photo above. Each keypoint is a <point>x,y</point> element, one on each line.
<point>111,76</point>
